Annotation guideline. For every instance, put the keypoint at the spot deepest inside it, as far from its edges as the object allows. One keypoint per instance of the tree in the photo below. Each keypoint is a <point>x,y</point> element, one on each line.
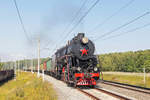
<point>126,61</point>
<point>147,65</point>
<point>1,66</point>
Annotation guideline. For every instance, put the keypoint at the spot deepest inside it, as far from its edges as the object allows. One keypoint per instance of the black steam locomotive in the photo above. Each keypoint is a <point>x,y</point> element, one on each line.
<point>76,63</point>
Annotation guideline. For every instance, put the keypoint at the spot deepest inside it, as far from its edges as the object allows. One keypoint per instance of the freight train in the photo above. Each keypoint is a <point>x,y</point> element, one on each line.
<point>6,75</point>
<point>74,63</point>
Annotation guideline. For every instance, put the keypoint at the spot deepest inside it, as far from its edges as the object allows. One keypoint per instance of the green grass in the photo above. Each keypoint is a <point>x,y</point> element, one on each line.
<point>27,87</point>
<point>129,79</point>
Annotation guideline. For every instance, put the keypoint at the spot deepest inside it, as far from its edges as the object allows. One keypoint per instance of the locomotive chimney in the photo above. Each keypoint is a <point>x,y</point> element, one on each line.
<point>80,35</point>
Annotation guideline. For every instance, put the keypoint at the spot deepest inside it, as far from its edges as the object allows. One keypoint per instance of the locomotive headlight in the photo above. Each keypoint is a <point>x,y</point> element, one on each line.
<point>85,40</point>
<point>95,69</point>
<point>79,69</point>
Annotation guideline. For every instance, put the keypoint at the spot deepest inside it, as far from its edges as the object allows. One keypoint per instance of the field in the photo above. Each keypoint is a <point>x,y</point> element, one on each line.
<point>27,87</point>
<point>129,78</point>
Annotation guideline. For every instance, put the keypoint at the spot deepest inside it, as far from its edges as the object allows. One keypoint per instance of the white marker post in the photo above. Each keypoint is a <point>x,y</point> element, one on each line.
<point>43,75</point>
<point>32,65</point>
<point>18,66</point>
<point>38,57</point>
<point>15,70</point>
<point>144,75</point>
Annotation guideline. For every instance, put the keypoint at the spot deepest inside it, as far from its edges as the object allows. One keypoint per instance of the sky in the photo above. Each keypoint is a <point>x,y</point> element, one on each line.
<point>51,20</point>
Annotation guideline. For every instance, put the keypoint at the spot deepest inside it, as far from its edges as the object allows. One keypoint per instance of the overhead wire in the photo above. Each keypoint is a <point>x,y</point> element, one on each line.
<point>76,15</point>
<point>21,21</point>
<point>73,19</point>
<point>112,15</point>
<point>118,28</point>
<point>86,13</point>
<point>132,30</point>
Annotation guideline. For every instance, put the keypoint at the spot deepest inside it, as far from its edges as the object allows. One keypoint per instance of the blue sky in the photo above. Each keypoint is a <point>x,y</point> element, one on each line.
<point>49,18</point>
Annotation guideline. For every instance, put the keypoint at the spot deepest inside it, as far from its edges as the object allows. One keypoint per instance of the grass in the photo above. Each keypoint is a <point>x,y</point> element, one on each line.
<point>129,79</point>
<point>27,87</point>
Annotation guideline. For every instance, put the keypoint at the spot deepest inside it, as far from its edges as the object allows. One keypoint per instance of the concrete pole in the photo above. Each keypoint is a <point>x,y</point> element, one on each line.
<point>15,66</point>
<point>15,70</point>
<point>0,62</point>
<point>26,65</point>
<point>25,61</point>
<point>38,56</point>
<point>32,65</point>
<point>18,67</point>
<point>43,74</point>
<point>10,65</point>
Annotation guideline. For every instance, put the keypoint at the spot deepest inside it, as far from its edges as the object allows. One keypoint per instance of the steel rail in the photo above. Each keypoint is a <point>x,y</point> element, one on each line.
<point>130,87</point>
<point>112,94</point>
<point>88,94</point>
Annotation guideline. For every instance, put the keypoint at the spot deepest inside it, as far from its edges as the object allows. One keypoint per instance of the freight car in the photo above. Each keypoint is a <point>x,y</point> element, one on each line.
<point>5,75</point>
<point>46,65</point>
<point>75,63</point>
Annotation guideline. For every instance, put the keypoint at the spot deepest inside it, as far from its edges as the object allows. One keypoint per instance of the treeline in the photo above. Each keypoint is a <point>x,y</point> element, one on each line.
<point>1,66</point>
<point>126,62</point>
<point>21,64</point>
<point>123,62</point>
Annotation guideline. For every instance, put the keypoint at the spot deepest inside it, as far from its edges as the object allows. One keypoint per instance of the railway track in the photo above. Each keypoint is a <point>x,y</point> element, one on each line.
<point>113,94</point>
<point>127,86</point>
<point>97,94</point>
<point>92,95</point>
<point>88,94</point>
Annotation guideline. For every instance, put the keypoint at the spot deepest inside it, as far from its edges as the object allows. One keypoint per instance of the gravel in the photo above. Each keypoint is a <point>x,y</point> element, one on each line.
<point>64,92</point>
<point>129,93</point>
<point>68,93</point>
<point>100,95</point>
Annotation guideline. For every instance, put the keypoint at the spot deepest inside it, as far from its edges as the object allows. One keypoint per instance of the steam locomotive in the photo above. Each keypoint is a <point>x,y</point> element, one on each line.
<point>75,63</point>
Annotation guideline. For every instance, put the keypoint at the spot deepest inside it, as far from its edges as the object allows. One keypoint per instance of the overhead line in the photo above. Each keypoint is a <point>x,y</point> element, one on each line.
<point>77,13</point>
<point>78,22</point>
<point>118,28</point>
<point>132,30</point>
<point>21,21</point>
<point>82,18</point>
<point>111,16</point>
